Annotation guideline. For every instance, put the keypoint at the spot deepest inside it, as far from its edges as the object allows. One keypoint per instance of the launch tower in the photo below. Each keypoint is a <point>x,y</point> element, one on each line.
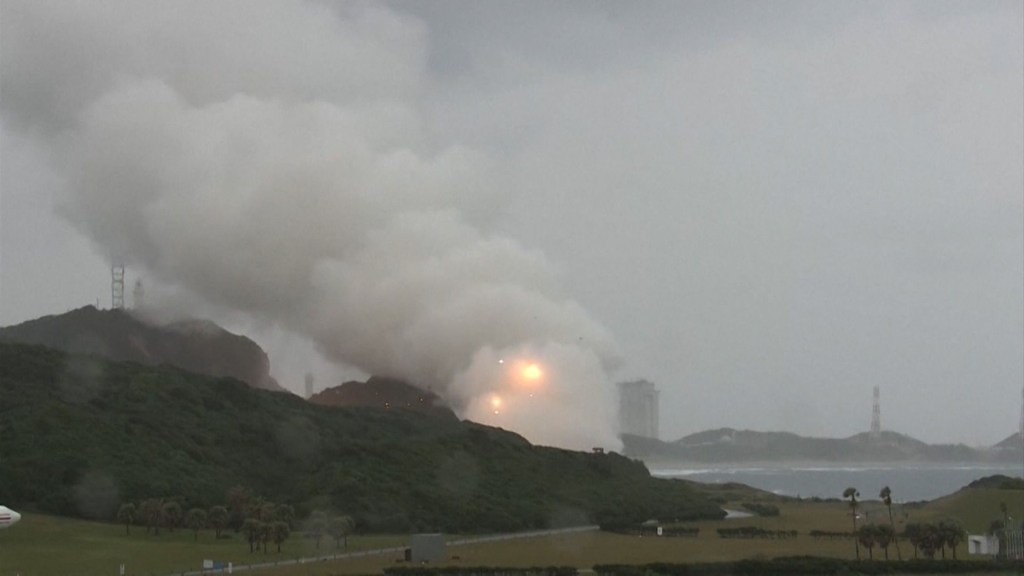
<point>876,416</point>
<point>309,385</point>
<point>117,285</point>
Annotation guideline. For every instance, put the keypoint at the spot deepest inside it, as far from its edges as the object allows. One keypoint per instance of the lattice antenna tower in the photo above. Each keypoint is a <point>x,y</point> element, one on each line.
<point>876,415</point>
<point>309,385</point>
<point>117,285</point>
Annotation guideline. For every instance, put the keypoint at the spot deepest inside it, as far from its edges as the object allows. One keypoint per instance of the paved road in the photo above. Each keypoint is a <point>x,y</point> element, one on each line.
<point>392,550</point>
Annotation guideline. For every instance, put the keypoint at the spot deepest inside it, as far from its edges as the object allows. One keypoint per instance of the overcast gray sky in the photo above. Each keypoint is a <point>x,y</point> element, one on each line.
<point>766,208</point>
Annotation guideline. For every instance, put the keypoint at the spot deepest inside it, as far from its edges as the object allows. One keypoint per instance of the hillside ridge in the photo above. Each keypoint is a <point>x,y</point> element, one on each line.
<point>199,346</point>
<point>81,434</point>
<point>731,445</point>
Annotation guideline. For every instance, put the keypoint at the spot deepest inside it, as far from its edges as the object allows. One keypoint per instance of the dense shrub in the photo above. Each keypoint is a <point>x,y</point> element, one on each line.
<point>71,423</point>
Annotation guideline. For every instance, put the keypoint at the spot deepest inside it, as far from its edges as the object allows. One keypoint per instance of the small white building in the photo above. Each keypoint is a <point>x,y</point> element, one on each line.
<point>983,544</point>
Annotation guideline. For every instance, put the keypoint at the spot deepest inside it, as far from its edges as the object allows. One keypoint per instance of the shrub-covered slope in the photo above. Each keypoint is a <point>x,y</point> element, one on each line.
<point>80,434</point>
<point>198,346</point>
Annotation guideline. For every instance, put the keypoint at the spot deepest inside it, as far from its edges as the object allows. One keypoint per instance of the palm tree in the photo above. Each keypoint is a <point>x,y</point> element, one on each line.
<point>126,514</point>
<point>251,528</point>
<point>196,520</point>
<point>911,532</point>
<point>931,541</point>
<point>280,532</point>
<point>886,496</point>
<point>316,525</point>
<point>237,498</point>
<point>219,518</point>
<point>266,532</point>
<point>852,494</point>
<point>170,513</point>
<point>884,535</point>
<point>285,513</point>
<point>866,536</point>
<point>150,510</point>
<point>339,528</point>
<point>952,534</point>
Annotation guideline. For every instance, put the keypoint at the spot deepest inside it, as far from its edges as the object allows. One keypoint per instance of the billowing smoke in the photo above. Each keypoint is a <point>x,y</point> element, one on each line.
<point>270,158</point>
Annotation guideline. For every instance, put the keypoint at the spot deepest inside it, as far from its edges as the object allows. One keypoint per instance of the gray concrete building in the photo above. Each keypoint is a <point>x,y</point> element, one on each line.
<point>638,408</point>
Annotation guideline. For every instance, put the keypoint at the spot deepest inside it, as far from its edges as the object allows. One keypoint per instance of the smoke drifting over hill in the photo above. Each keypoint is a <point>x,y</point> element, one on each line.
<point>278,165</point>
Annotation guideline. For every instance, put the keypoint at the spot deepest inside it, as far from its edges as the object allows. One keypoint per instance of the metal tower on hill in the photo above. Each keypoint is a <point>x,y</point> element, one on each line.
<point>117,285</point>
<point>876,416</point>
<point>309,385</point>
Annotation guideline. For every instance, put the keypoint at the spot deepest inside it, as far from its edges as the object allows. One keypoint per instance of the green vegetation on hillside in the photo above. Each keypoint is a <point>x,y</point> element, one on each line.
<point>81,435</point>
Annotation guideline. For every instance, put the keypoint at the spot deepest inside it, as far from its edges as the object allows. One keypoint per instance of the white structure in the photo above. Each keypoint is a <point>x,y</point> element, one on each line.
<point>427,548</point>
<point>1005,544</point>
<point>987,545</point>
<point>638,408</point>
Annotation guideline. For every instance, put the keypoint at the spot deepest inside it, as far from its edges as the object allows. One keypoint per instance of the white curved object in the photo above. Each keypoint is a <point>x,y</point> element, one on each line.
<point>8,517</point>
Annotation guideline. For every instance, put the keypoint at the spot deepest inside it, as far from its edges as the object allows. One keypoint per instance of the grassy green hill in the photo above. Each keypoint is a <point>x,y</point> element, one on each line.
<point>730,445</point>
<point>80,434</point>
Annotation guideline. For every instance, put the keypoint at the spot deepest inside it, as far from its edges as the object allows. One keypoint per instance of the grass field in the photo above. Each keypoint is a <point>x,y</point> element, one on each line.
<point>47,545</point>
<point>61,546</point>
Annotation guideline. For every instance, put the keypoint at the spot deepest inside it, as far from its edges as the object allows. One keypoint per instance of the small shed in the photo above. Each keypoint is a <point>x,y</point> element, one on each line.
<point>427,548</point>
<point>987,545</point>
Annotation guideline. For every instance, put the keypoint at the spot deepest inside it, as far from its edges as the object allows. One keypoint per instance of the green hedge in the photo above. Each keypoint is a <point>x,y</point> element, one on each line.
<point>809,566</point>
<point>480,571</point>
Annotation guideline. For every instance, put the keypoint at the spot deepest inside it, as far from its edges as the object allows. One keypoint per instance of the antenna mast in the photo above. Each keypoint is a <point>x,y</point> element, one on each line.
<point>876,416</point>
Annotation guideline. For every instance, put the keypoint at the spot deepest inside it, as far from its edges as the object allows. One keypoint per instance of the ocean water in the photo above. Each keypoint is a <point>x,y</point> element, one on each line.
<point>908,482</point>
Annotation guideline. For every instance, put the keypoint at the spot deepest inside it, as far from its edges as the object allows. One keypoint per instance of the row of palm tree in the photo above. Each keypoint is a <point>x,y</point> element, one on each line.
<point>932,538</point>
<point>337,527</point>
<point>928,538</point>
<point>157,513</point>
<point>870,535</point>
<point>261,532</point>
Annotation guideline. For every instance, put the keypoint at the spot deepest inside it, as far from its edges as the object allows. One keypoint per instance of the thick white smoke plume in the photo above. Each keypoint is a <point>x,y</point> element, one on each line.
<point>270,158</point>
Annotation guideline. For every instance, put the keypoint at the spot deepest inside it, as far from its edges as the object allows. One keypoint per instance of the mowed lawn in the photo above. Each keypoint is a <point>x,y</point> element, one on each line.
<point>49,545</point>
<point>42,545</point>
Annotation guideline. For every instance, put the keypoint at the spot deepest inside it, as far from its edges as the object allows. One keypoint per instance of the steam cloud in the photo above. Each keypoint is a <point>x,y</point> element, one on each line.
<point>270,158</point>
